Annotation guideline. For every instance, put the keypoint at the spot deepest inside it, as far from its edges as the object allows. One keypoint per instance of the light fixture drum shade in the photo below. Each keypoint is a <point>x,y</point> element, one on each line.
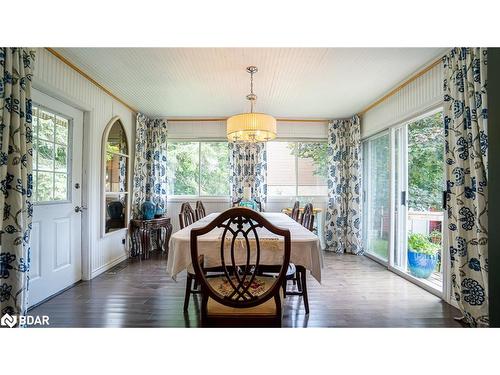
<point>251,127</point>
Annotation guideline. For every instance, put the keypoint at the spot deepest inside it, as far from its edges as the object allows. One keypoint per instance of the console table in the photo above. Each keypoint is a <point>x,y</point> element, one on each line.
<point>141,235</point>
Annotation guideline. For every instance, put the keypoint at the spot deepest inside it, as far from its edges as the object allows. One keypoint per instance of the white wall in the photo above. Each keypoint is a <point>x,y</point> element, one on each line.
<point>58,80</point>
<point>424,93</point>
<point>217,130</point>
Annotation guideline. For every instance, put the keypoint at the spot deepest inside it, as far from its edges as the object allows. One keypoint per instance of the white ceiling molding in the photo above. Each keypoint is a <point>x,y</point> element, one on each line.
<point>291,82</point>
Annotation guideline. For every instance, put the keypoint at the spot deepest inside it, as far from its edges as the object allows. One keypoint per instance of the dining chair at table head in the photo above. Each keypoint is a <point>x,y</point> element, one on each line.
<point>186,216</point>
<point>241,296</point>
<point>259,205</point>
<point>199,210</point>
<point>295,211</point>
<point>307,219</point>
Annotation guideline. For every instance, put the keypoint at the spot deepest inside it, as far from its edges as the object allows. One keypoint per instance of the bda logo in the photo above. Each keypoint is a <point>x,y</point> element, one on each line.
<point>8,321</point>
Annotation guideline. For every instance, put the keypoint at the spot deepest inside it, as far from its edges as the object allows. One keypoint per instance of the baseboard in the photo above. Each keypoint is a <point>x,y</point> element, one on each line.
<point>108,265</point>
<point>53,295</point>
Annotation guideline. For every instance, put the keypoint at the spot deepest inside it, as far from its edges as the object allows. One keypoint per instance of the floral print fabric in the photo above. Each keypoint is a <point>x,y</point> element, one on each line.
<point>343,230</point>
<point>150,167</point>
<point>248,163</point>
<point>16,179</point>
<point>465,118</point>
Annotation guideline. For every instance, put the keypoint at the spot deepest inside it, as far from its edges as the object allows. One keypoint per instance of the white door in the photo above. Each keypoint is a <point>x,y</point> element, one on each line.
<point>57,171</point>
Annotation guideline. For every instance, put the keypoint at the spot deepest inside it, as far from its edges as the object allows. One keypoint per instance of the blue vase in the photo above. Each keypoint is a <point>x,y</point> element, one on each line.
<point>421,265</point>
<point>148,209</point>
<point>159,212</point>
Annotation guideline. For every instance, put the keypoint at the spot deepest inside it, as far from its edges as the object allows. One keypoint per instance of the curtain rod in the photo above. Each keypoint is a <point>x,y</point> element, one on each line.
<point>85,75</point>
<point>401,86</point>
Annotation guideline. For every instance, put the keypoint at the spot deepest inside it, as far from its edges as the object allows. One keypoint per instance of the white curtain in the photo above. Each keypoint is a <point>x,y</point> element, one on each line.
<point>16,179</point>
<point>150,166</point>
<point>343,229</point>
<point>466,118</point>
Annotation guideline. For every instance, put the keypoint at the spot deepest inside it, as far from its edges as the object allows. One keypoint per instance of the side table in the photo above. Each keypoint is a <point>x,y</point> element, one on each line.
<point>141,232</point>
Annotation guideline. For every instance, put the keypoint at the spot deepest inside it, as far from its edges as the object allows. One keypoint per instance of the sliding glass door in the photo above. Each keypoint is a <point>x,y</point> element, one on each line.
<point>376,196</point>
<point>402,195</point>
<point>419,199</point>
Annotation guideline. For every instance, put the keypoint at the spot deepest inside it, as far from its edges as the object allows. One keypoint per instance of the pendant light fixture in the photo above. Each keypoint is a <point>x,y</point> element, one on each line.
<point>251,126</point>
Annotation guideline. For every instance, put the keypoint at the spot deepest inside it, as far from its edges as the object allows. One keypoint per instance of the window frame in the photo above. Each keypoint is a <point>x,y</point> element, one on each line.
<point>69,158</point>
<point>278,198</point>
<point>184,197</point>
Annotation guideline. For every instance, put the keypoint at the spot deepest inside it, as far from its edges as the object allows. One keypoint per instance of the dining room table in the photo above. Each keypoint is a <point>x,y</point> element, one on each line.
<point>305,245</point>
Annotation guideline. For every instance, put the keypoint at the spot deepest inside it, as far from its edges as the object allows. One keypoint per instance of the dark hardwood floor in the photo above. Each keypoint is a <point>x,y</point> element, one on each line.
<point>356,292</point>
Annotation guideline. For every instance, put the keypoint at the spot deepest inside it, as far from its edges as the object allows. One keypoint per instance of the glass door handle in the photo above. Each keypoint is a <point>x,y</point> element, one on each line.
<point>80,208</point>
<point>403,198</point>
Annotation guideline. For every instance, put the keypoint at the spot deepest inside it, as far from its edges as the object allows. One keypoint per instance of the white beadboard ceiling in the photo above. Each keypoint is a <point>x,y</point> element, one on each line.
<point>212,82</point>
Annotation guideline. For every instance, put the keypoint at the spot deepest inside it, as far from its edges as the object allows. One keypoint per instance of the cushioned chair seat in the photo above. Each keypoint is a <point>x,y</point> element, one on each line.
<point>259,286</point>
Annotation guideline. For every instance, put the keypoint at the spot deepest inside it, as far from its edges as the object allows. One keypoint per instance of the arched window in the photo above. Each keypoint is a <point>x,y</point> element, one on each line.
<point>115,176</point>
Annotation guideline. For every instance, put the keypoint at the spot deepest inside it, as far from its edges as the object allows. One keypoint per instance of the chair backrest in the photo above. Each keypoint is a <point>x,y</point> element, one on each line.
<point>240,249</point>
<point>236,202</point>
<point>114,209</point>
<point>186,216</point>
<point>307,219</point>
<point>295,211</point>
<point>259,205</point>
<point>199,210</point>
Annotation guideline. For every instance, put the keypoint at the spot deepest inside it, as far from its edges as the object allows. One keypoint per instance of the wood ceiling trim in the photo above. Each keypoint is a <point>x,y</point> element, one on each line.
<point>85,75</point>
<point>401,86</point>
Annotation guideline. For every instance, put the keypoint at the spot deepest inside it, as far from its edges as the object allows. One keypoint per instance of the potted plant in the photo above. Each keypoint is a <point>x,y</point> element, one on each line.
<point>422,255</point>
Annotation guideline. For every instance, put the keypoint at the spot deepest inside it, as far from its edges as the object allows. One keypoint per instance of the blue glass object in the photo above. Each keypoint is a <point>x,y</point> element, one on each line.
<point>148,209</point>
<point>421,265</point>
<point>159,211</point>
<point>249,204</point>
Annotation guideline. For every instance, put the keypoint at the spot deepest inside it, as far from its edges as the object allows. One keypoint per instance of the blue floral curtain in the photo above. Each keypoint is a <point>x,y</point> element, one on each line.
<point>150,167</point>
<point>16,179</point>
<point>248,163</point>
<point>343,231</point>
<point>465,118</point>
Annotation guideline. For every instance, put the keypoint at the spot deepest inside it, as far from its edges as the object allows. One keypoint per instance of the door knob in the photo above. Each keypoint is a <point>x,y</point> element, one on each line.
<point>80,208</point>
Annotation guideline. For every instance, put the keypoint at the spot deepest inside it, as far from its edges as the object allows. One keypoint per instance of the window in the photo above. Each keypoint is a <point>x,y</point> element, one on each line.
<point>51,153</point>
<point>198,168</point>
<point>296,169</point>
<point>116,159</point>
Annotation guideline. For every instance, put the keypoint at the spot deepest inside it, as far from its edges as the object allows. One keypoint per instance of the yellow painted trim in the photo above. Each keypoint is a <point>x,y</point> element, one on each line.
<point>401,86</point>
<point>85,75</point>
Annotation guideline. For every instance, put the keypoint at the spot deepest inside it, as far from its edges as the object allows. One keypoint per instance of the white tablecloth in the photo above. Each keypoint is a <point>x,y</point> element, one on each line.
<point>305,245</point>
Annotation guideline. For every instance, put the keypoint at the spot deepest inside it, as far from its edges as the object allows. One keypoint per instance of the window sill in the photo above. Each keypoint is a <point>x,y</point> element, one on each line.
<point>194,198</point>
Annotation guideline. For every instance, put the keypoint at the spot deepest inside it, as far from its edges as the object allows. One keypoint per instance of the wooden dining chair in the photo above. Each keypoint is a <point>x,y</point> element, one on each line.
<point>241,296</point>
<point>186,216</point>
<point>295,211</point>
<point>236,202</point>
<point>259,205</point>
<point>200,210</point>
<point>307,218</point>
<point>297,273</point>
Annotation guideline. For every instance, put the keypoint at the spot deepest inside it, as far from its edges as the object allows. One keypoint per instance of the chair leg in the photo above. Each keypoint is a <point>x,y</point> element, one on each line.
<point>304,289</point>
<point>195,286</point>
<point>188,291</point>
<point>299,282</point>
<point>284,288</point>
